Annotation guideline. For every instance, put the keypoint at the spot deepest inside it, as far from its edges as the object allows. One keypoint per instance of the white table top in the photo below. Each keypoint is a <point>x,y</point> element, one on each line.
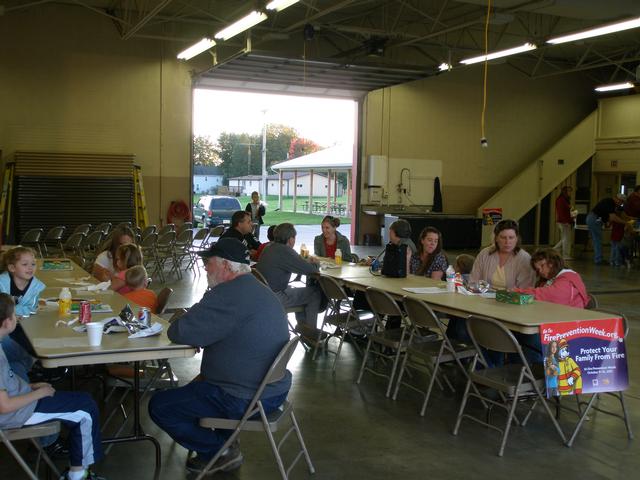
<point>62,346</point>
<point>521,318</point>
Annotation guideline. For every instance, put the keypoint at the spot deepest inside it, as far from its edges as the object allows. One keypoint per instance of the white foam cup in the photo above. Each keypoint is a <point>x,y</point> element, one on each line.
<point>94,332</point>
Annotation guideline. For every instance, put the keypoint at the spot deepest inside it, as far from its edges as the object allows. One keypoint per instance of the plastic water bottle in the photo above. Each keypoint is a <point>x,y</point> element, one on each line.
<point>64,301</point>
<point>450,275</point>
<point>338,256</point>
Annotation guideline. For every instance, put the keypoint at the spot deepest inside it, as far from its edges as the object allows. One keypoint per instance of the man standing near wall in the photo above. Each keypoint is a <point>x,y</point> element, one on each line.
<point>564,221</point>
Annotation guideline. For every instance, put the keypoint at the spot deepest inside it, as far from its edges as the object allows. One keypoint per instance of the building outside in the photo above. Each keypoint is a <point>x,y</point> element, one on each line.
<point>250,183</point>
<point>206,179</point>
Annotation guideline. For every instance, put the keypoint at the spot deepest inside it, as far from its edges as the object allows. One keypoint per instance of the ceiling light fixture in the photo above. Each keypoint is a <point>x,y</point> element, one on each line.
<point>596,32</point>
<point>279,5</point>
<point>444,66</point>
<point>245,23</point>
<point>197,49</point>
<point>502,53</point>
<point>614,86</point>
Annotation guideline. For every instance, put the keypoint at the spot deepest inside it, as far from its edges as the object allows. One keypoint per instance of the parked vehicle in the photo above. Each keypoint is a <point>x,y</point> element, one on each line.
<point>215,210</point>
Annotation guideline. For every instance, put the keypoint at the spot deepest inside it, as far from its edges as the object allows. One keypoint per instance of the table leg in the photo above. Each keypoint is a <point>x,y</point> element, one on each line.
<point>138,433</point>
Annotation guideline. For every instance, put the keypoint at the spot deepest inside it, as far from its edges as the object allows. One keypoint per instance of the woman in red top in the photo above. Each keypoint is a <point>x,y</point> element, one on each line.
<point>325,245</point>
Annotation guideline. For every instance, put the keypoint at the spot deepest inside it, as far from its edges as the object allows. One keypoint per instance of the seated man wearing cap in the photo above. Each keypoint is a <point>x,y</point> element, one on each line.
<point>241,326</point>
<point>242,229</point>
<point>604,212</point>
<point>277,264</point>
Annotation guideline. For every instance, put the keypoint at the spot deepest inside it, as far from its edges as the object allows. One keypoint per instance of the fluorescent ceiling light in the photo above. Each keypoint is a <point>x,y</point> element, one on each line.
<point>279,5</point>
<point>245,23</point>
<point>197,49</point>
<point>614,86</point>
<point>596,32</point>
<point>502,53</point>
<point>444,66</point>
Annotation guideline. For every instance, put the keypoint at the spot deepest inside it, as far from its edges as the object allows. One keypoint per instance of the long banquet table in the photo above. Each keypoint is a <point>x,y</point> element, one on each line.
<point>58,345</point>
<point>519,318</point>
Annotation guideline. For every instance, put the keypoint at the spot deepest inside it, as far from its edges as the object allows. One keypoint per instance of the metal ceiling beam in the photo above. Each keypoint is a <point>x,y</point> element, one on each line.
<point>145,19</point>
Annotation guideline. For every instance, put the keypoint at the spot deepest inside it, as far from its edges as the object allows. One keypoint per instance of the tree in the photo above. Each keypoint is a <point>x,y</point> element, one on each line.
<point>302,146</point>
<point>232,150</point>
<point>204,151</point>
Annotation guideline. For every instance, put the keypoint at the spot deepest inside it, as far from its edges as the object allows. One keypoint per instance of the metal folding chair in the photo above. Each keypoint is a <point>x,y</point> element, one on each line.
<point>390,343</point>
<point>32,432</point>
<point>182,248</point>
<point>510,381</point>
<point>150,255</point>
<point>32,239</point>
<point>425,353</point>
<point>165,251</point>
<point>170,227</point>
<point>268,423</point>
<point>53,238</point>
<point>147,231</point>
<point>341,317</point>
<point>85,228</point>
<point>73,244</point>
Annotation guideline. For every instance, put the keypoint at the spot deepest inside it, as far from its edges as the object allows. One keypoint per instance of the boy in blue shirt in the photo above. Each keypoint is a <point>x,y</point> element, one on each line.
<point>30,404</point>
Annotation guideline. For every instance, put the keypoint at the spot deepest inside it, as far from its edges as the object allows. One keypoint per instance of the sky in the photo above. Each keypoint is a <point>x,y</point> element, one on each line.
<point>325,121</point>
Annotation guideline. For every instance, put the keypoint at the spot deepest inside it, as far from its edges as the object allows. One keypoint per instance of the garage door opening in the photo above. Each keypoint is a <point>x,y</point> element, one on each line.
<point>296,151</point>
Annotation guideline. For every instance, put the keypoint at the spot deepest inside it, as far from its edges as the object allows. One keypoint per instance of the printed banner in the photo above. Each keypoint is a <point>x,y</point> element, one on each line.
<point>491,216</point>
<point>587,356</point>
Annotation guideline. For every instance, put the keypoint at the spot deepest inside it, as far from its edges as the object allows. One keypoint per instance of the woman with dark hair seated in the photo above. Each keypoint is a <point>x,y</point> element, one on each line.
<point>429,260</point>
<point>556,284</point>
<point>326,244</point>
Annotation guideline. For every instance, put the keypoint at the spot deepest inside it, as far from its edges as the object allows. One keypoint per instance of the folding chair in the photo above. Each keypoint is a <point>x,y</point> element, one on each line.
<point>170,227</point>
<point>269,423</point>
<point>150,255</point>
<point>214,234</point>
<point>619,395</point>
<point>342,317</point>
<point>182,248</point>
<point>147,231</point>
<point>89,248</point>
<point>256,273</point>
<point>73,244</point>
<point>53,238</point>
<point>165,251</point>
<point>198,244</point>
<point>32,239</point>
<point>510,380</point>
<point>163,299</point>
<point>85,228</point>
<point>105,228</point>
<point>427,354</point>
<point>395,340</point>
<point>593,303</point>
<point>183,227</point>
<point>32,432</point>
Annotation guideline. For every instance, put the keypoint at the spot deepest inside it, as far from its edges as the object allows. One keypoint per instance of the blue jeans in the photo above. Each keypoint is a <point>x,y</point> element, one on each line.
<point>595,229</point>
<point>178,411</point>
<point>616,258</point>
<point>19,359</point>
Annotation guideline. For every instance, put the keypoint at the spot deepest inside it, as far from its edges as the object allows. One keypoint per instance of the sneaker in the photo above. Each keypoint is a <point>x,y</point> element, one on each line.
<point>88,475</point>
<point>228,461</point>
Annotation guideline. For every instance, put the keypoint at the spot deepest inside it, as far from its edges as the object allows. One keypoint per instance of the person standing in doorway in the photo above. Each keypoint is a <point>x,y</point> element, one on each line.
<point>604,212</point>
<point>257,211</point>
<point>564,221</point>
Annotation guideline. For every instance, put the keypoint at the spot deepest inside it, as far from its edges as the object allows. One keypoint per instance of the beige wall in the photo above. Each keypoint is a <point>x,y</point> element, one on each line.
<point>68,83</point>
<point>439,119</point>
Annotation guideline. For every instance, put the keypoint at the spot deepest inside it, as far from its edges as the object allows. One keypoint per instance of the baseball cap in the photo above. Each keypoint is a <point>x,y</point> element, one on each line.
<point>228,248</point>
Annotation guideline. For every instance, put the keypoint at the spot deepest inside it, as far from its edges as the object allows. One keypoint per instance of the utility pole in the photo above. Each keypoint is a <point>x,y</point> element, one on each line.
<point>264,155</point>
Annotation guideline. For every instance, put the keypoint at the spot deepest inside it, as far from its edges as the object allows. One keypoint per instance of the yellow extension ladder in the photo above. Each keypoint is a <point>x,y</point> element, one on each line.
<point>5,201</point>
<point>140,203</point>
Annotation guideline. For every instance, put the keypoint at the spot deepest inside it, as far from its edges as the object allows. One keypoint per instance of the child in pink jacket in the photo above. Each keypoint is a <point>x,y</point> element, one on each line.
<point>556,284</point>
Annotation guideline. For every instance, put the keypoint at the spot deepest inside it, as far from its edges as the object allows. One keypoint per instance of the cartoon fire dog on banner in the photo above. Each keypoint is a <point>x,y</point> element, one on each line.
<point>569,374</point>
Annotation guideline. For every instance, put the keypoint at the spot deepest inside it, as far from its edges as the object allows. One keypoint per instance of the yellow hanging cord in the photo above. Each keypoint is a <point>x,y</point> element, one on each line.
<point>486,69</point>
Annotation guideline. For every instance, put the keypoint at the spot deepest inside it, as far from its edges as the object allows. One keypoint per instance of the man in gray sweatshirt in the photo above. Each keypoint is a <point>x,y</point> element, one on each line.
<point>277,263</point>
<point>241,326</point>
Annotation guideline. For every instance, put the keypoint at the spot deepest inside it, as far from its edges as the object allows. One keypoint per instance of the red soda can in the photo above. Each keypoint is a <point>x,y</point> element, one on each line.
<point>85,311</point>
<point>144,317</point>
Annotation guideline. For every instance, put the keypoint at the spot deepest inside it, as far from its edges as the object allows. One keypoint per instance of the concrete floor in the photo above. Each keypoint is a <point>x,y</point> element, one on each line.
<point>353,431</point>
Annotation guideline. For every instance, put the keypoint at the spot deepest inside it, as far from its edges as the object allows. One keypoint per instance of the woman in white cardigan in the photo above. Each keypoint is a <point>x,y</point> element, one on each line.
<point>504,264</point>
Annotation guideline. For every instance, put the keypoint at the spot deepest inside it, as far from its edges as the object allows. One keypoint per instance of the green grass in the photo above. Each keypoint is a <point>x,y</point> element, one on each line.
<point>274,217</point>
